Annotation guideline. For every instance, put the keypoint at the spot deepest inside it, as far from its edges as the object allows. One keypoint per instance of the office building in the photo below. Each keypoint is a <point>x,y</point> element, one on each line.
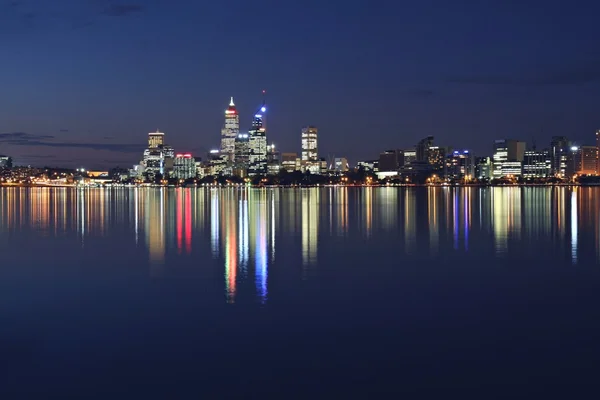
<point>242,155</point>
<point>483,168</point>
<point>460,165</point>
<point>536,164</point>
<point>257,144</point>
<point>310,144</point>
<point>5,162</point>
<point>156,139</point>
<point>508,158</point>
<point>340,165</point>
<point>230,131</point>
<point>391,160</point>
<point>409,156</point>
<point>289,162</point>
<point>368,165</point>
<point>273,160</point>
<point>559,154</point>
<point>422,149</point>
<point>581,161</point>
<point>184,166</point>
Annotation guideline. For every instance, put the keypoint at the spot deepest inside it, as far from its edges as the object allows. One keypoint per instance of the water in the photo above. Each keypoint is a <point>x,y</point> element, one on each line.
<point>330,292</point>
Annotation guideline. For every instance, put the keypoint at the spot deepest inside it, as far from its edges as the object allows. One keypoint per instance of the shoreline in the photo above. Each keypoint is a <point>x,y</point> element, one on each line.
<point>200,186</point>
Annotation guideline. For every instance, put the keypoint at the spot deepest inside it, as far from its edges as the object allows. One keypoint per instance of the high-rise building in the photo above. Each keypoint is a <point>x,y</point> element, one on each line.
<point>230,131</point>
<point>273,160</point>
<point>409,156</point>
<point>460,165</point>
<point>257,163</point>
<point>536,164</point>
<point>289,162</point>
<point>508,158</point>
<point>391,160</point>
<point>184,166</point>
<point>483,168</point>
<point>581,161</point>
<point>310,144</point>
<point>422,148</point>
<point>242,155</point>
<point>559,154</point>
<point>156,139</point>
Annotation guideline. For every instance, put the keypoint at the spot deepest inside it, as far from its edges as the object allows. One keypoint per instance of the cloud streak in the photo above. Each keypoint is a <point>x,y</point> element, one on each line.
<point>26,139</point>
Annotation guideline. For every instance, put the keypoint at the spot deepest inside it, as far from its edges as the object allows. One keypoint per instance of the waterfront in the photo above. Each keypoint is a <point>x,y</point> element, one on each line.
<point>328,290</point>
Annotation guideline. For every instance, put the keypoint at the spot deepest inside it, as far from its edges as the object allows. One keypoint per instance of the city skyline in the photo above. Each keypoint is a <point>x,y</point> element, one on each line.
<point>88,79</point>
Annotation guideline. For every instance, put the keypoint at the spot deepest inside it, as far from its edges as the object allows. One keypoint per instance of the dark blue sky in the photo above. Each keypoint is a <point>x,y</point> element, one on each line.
<point>83,81</point>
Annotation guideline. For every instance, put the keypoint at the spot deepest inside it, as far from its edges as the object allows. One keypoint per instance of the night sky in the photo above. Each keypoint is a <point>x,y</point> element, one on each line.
<point>84,81</point>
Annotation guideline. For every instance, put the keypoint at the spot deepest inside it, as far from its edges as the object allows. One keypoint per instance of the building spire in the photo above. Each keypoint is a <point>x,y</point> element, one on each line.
<point>231,103</point>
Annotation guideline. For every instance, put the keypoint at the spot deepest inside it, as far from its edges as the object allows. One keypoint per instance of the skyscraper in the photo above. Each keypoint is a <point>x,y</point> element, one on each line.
<point>559,152</point>
<point>242,155</point>
<point>258,144</point>
<point>230,131</point>
<point>310,144</point>
<point>156,139</point>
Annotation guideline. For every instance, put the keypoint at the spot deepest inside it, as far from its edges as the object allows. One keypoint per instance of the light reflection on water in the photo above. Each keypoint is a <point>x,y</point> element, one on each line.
<point>243,229</point>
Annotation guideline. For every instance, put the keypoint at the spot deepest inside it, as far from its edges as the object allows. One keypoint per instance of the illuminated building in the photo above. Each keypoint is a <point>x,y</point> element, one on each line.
<point>508,158</point>
<point>460,165</point>
<point>409,156</point>
<point>230,131</point>
<point>309,144</point>
<point>288,161</point>
<point>340,164</point>
<point>184,166</point>
<point>559,153</point>
<point>598,151</point>
<point>368,165</point>
<point>581,161</point>
<point>242,155</point>
<point>536,164</point>
<point>422,149</point>
<point>5,162</point>
<point>156,139</point>
<point>217,162</point>
<point>257,137</point>
<point>436,157</point>
<point>391,160</point>
<point>199,167</point>
<point>273,160</point>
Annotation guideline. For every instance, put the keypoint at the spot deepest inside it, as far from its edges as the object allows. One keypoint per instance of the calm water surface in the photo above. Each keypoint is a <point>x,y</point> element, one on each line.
<point>328,292</point>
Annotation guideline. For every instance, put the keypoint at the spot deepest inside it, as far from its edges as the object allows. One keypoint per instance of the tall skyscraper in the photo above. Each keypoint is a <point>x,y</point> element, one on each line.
<point>309,144</point>
<point>230,131</point>
<point>258,144</point>
<point>242,155</point>
<point>156,139</point>
<point>559,153</point>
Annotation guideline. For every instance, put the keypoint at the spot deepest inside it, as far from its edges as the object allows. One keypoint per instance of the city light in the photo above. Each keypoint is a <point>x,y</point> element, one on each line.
<point>263,109</point>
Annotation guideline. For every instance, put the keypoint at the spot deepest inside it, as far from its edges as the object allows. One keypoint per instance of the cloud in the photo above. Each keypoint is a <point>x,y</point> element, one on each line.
<point>64,130</point>
<point>21,136</point>
<point>122,10</point>
<point>579,74</point>
<point>26,139</point>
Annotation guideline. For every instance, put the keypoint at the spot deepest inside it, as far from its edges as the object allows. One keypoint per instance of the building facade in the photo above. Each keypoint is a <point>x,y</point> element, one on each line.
<point>536,164</point>
<point>184,166</point>
<point>257,136</point>
<point>310,149</point>
<point>559,154</point>
<point>508,158</point>
<point>460,165</point>
<point>230,131</point>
